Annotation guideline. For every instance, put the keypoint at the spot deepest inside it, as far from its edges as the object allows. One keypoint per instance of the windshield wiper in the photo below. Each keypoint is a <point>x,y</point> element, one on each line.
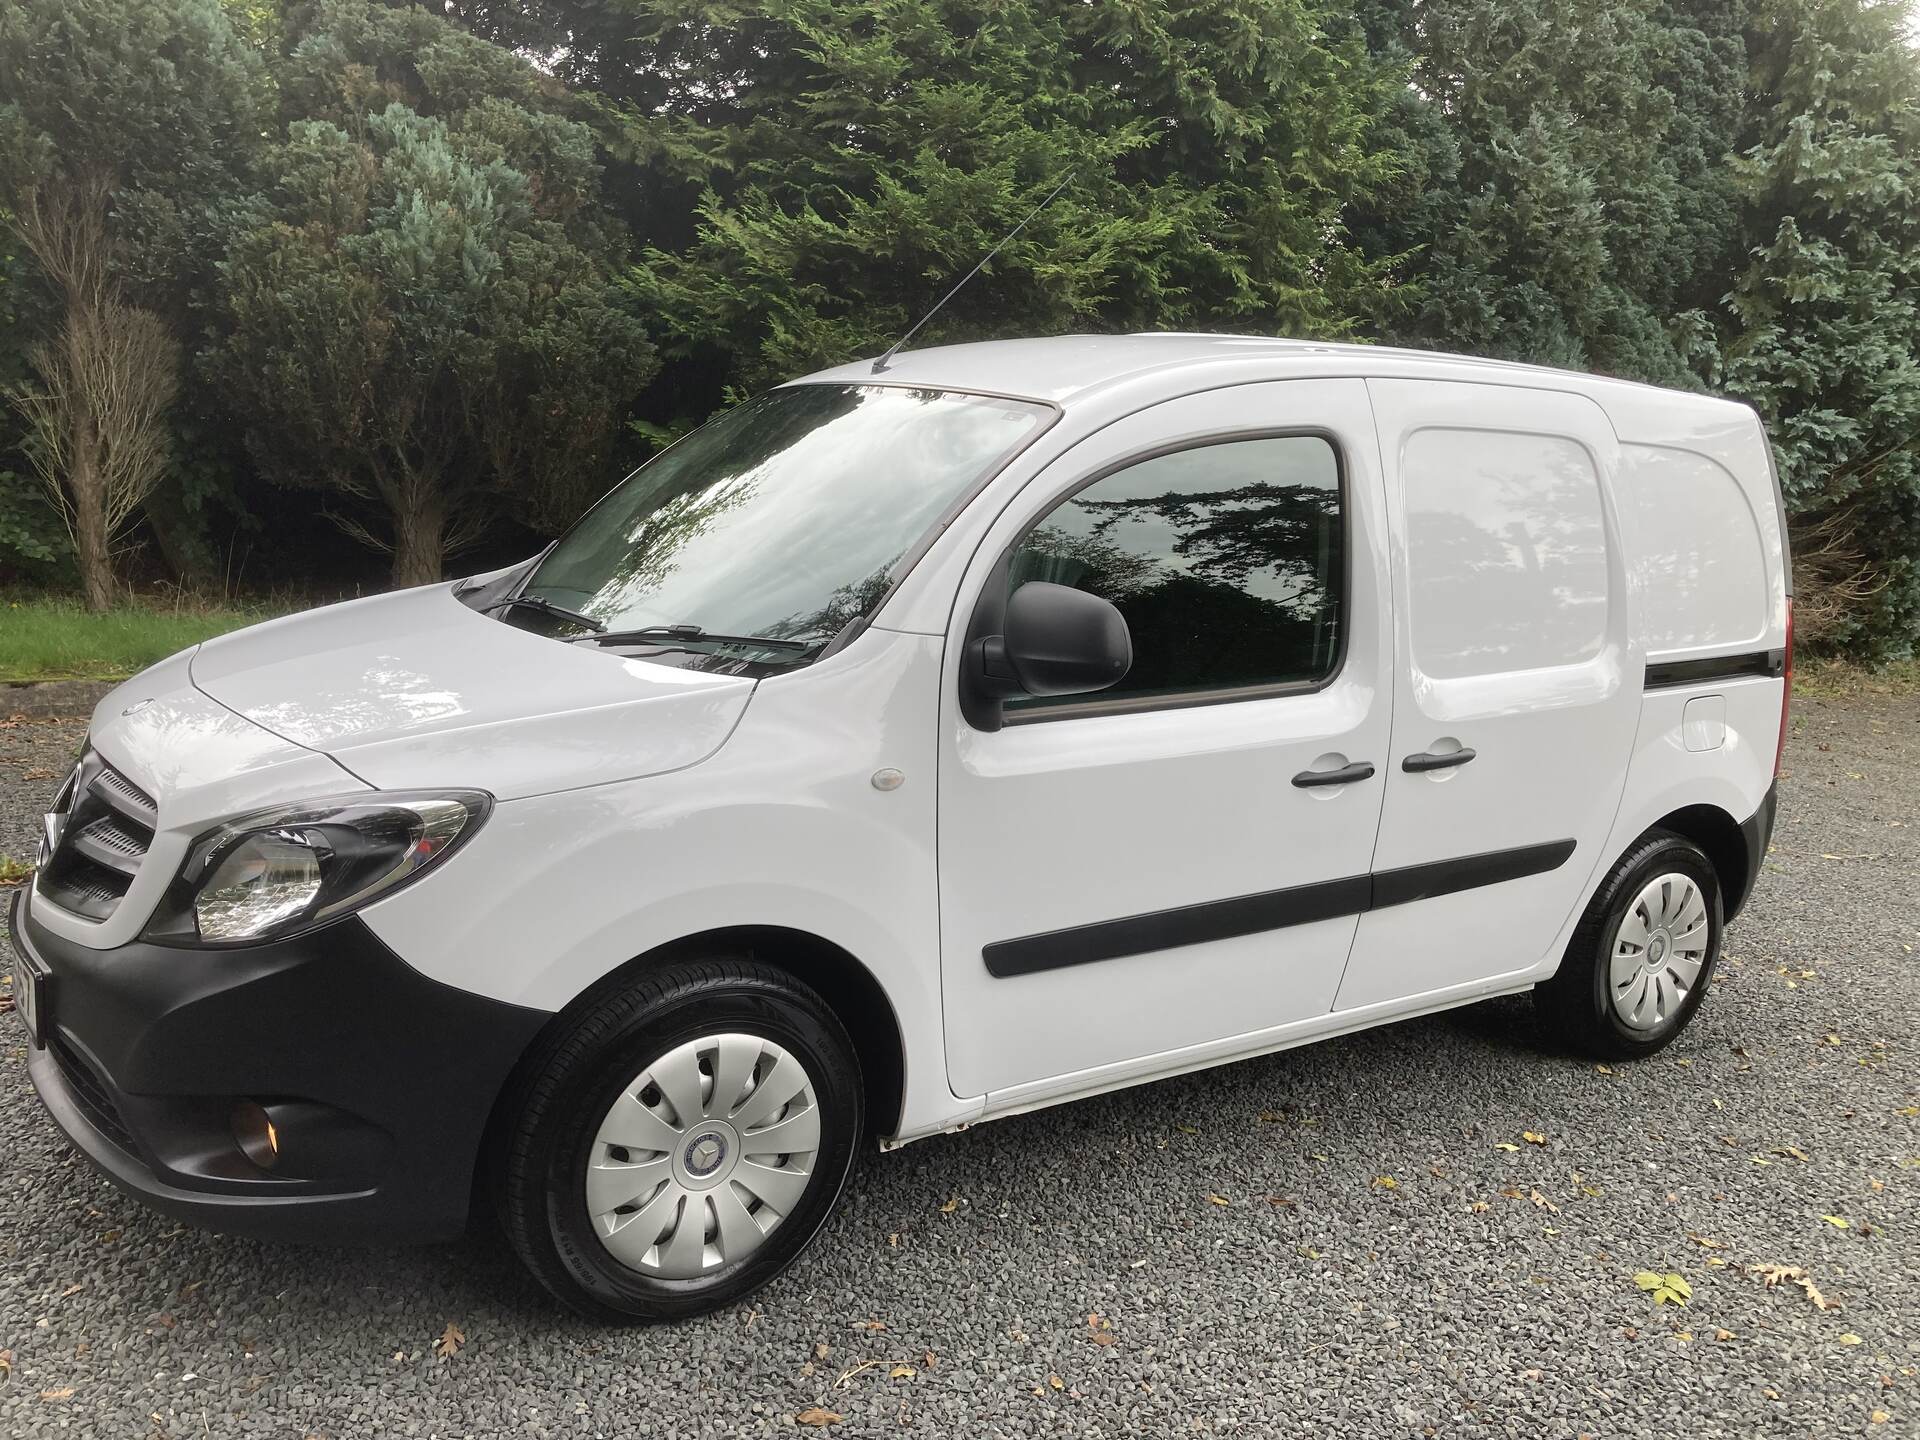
<point>545,607</point>
<point>688,632</point>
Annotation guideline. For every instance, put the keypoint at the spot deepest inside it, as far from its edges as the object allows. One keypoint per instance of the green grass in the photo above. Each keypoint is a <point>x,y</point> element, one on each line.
<point>54,638</point>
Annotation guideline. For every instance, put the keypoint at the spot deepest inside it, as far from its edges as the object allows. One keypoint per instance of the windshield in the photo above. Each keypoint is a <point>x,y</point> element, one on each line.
<point>783,518</point>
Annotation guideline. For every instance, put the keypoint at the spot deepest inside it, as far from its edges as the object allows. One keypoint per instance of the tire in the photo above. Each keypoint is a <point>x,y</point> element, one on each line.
<point>580,1092</point>
<point>1656,999</point>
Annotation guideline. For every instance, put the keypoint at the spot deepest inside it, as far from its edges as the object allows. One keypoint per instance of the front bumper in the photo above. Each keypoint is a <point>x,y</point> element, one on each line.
<point>379,1081</point>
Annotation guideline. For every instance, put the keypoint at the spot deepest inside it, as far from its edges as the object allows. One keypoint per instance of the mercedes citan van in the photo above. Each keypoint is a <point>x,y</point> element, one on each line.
<point>906,749</point>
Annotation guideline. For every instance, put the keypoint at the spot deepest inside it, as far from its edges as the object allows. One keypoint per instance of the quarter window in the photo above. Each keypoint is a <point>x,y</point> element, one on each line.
<point>1226,560</point>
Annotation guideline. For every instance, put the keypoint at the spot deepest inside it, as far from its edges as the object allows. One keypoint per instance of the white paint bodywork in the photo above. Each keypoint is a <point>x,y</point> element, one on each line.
<point>639,804</point>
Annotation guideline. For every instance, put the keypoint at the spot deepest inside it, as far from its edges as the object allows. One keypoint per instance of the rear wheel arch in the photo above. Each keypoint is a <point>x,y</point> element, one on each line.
<point>1719,835</point>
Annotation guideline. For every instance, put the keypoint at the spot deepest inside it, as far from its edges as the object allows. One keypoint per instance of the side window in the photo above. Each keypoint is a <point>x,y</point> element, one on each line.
<point>1506,552</point>
<point>1227,561</point>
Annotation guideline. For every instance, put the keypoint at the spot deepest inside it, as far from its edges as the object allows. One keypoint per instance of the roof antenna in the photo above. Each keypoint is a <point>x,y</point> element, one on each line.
<point>881,364</point>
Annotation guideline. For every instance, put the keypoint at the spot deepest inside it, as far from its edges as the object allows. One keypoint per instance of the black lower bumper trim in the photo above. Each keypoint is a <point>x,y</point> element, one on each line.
<point>379,1081</point>
<point>1757,833</point>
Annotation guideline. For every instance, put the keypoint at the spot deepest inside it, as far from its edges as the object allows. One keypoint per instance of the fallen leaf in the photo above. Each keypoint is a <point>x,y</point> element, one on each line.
<point>1218,1200</point>
<point>1386,1182</point>
<point>1506,1145</point>
<point>1707,1242</point>
<point>818,1417</point>
<point>821,1350</point>
<point>1839,1222</point>
<point>1103,1337</point>
<point>6,1364</point>
<point>1772,1275</point>
<point>951,1206</point>
<point>450,1341</point>
<point>1667,1289</point>
<point>1850,1339</point>
<point>1533,1137</point>
<point>873,1326</point>
<point>1188,1129</point>
<point>902,1372</point>
<point>1543,1202</point>
<point>1479,1207</point>
<point>1878,1417</point>
<point>1725,1335</point>
<point>928,1360</point>
<point>65,1392</point>
<point>1056,1382</point>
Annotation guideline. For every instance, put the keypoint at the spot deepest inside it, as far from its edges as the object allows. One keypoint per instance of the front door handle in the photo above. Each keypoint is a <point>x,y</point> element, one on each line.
<point>1345,775</point>
<point>1428,760</point>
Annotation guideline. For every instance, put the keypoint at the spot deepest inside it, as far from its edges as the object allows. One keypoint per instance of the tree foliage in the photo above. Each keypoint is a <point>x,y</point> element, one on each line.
<point>121,139</point>
<point>422,314</point>
<point>425,251</point>
<point>845,163</point>
<point>1821,330</point>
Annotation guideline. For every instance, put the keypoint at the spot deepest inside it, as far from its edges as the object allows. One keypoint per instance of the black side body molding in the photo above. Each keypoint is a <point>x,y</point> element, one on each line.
<point>1755,664</point>
<point>1269,910</point>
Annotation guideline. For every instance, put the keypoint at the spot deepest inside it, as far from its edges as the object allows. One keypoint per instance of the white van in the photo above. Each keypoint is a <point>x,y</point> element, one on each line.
<point>907,749</point>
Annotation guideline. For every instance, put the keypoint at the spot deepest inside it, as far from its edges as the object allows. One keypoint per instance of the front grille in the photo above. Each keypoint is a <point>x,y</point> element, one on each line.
<point>105,824</point>
<point>91,1095</point>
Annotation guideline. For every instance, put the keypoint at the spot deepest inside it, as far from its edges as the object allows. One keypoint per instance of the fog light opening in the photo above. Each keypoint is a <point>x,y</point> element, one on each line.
<point>254,1133</point>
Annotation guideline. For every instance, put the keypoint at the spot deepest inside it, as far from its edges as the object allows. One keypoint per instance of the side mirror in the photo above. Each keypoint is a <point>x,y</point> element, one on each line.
<point>1057,641</point>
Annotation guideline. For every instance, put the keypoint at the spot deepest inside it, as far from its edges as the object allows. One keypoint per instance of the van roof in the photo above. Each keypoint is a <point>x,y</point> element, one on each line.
<point>1065,367</point>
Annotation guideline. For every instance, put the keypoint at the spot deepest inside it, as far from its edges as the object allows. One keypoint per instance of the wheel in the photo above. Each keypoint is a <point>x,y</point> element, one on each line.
<point>1643,955</point>
<point>677,1145</point>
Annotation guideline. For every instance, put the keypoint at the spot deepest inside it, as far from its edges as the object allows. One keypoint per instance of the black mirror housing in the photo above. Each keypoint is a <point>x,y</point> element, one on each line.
<point>1058,641</point>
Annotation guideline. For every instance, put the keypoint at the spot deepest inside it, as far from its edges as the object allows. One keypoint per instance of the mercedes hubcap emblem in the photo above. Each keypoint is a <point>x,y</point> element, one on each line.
<point>705,1154</point>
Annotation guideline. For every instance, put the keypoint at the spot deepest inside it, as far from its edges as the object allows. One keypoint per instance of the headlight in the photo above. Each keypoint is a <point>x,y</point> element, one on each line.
<point>277,872</point>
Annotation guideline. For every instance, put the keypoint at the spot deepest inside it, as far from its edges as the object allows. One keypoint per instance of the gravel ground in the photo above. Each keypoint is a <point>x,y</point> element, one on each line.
<point>1432,1229</point>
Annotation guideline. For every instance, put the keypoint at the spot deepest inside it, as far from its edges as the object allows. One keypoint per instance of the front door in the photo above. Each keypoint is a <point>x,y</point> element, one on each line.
<point>1517,686</point>
<point>1177,862</point>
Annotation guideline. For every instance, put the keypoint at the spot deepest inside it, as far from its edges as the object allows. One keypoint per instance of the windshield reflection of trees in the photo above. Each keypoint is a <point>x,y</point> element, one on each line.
<point>711,472</point>
<point>1219,587</point>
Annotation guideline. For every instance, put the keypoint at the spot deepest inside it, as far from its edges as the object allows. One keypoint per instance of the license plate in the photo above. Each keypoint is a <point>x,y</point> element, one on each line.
<point>30,994</point>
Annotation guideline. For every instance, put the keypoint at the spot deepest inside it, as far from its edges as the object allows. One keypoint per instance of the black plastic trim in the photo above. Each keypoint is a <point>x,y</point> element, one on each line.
<point>1753,664</point>
<point>1270,910</point>
<point>381,1079</point>
<point>1756,831</point>
<point>1345,775</point>
<point>1427,760</point>
<point>1468,872</point>
<point>1187,925</point>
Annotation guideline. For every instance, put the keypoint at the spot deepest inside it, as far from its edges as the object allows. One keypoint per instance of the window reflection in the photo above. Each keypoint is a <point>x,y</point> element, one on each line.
<point>785,517</point>
<point>1506,550</point>
<point>1226,561</point>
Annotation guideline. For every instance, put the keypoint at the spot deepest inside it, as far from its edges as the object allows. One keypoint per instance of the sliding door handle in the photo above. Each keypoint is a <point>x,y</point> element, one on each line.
<point>1345,775</point>
<point>1428,760</point>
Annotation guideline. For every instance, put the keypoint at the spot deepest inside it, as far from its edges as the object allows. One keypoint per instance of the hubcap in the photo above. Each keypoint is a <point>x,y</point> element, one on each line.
<point>1658,952</point>
<point>702,1155</point>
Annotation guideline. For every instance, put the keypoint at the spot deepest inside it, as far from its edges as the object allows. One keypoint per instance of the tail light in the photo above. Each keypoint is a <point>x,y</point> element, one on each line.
<point>1786,692</point>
